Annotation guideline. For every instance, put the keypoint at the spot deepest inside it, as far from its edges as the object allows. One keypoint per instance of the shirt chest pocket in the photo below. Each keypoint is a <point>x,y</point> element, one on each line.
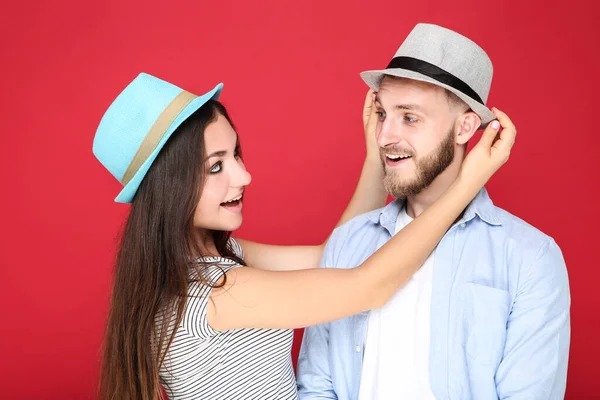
<point>485,314</point>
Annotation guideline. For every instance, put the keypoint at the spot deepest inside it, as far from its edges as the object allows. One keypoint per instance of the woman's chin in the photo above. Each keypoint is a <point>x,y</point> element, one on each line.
<point>236,226</point>
<point>226,226</point>
<point>231,225</point>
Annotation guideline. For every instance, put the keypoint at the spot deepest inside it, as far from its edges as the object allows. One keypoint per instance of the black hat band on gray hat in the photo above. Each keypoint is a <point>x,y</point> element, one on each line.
<point>434,72</point>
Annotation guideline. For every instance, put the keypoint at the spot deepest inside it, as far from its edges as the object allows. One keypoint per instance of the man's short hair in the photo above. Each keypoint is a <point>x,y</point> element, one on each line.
<point>455,101</point>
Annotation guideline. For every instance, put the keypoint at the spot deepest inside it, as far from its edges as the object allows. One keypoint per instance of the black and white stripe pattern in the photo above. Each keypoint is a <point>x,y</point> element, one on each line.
<point>238,364</point>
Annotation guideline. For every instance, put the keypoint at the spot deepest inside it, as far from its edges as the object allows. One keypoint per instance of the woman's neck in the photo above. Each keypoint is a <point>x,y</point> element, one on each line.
<point>207,244</point>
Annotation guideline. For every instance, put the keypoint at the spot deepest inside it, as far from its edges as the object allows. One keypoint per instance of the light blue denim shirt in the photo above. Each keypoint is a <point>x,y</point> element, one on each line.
<point>500,304</point>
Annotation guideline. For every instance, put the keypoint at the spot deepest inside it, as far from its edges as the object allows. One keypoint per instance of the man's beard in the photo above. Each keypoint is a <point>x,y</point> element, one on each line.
<point>427,169</point>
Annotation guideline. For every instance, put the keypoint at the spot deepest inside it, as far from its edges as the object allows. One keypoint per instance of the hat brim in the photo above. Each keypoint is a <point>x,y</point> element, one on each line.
<point>126,195</point>
<point>373,80</point>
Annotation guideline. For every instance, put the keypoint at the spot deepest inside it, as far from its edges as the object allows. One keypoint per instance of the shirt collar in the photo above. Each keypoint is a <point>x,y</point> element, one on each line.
<point>481,206</point>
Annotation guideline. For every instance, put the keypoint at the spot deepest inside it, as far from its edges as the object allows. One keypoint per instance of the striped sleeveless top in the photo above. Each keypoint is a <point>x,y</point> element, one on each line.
<point>203,363</point>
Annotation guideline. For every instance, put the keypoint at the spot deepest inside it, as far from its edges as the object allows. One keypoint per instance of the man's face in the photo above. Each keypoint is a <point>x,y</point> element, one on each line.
<point>415,133</point>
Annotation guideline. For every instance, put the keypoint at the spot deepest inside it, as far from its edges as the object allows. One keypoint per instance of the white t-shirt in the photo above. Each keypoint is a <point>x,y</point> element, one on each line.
<point>396,360</point>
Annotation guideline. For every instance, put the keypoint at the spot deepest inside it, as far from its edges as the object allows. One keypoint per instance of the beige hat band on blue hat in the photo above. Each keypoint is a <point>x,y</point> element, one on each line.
<point>156,132</point>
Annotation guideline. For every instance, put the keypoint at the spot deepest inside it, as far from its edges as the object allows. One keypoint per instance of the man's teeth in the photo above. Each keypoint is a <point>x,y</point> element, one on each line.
<point>236,199</point>
<point>396,157</point>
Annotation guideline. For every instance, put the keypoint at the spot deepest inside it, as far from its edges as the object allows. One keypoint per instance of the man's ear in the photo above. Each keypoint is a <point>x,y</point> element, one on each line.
<point>466,126</point>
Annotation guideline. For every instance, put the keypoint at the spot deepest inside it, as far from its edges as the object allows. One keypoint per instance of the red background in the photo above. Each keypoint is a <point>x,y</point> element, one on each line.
<point>292,86</point>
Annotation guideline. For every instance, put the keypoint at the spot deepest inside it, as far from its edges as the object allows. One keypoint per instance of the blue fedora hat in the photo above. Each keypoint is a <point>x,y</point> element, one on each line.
<point>137,125</point>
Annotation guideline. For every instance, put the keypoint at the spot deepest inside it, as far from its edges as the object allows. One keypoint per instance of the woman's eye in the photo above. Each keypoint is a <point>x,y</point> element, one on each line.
<point>381,115</point>
<point>409,118</point>
<point>216,168</point>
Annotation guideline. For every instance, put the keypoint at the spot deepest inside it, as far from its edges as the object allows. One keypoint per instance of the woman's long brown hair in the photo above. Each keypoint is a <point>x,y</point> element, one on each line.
<point>154,262</point>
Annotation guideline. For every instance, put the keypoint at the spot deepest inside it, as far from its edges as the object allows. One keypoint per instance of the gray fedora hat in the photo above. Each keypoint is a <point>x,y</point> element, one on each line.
<point>444,58</point>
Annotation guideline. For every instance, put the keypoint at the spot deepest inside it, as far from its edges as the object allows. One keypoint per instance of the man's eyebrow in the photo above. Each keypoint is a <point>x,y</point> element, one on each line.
<point>406,107</point>
<point>409,107</point>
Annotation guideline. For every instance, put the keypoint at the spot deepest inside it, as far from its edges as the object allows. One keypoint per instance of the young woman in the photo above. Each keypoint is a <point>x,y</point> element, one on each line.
<point>186,311</point>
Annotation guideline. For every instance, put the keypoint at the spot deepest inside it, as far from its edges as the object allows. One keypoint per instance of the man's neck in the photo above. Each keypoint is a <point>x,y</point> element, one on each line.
<point>416,204</point>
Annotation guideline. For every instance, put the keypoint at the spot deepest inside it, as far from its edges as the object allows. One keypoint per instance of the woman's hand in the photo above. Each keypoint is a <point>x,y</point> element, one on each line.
<point>491,152</point>
<point>369,125</point>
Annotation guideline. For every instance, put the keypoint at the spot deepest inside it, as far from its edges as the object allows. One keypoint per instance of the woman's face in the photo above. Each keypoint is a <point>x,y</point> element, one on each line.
<point>220,205</point>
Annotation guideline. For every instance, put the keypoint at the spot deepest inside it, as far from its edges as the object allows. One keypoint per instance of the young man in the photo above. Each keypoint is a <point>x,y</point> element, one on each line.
<point>487,315</point>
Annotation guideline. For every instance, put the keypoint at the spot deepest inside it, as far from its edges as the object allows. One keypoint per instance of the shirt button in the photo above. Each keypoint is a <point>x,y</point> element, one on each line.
<point>357,348</point>
<point>463,225</point>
